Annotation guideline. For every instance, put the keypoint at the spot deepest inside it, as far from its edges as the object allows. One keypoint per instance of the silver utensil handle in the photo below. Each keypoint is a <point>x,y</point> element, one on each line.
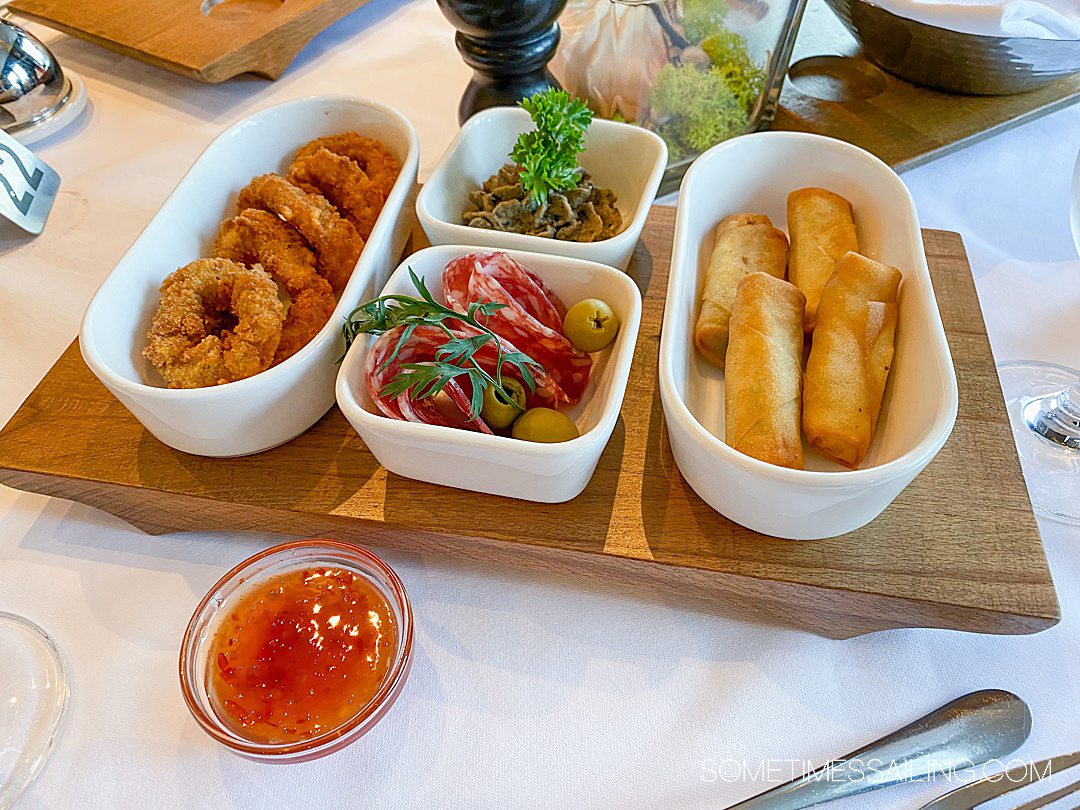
<point>1000,784</point>
<point>967,732</point>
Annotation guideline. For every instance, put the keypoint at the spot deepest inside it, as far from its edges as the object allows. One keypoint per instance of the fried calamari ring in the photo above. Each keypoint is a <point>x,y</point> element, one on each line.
<point>259,237</point>
<point>335,241</point>
<point>343,183</point>
<point>307,314</point>
<point>192,341</point>
<point>378,164</point>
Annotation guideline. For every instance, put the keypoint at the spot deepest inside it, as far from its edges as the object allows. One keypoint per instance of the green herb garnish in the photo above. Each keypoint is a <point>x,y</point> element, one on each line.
<point>548,154</point>
<point>452,360</point>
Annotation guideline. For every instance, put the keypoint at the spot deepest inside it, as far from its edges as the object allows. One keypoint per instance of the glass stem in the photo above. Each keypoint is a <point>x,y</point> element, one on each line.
<point>1057,418</point>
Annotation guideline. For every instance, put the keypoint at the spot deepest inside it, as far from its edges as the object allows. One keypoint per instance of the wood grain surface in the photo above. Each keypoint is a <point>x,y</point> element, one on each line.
<point>833,90</point>
<point>209,40</point>
<point>959,548</point>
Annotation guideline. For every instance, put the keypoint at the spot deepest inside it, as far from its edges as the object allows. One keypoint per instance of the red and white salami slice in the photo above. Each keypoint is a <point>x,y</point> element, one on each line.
<point>520,283</point>
<point>455,280</point>
<point>523,318</point>
<point>454,415</point>
<point>529,322</point>
<point>421,347</point>
<point>525,288</point>
<point>546,393</point>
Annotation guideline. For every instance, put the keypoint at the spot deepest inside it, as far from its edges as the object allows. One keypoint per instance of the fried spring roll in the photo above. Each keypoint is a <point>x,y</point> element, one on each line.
<point>745,243</point>
<point>850,358</point>
<point>737,220</point>
<point>763,378</point>
<point>822,230</point>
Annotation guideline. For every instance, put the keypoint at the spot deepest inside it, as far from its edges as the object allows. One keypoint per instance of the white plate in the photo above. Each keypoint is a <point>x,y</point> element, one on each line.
<point>270,408</point>
<point>627,159</point>
<point>548,473</point>
<point>756,173</point>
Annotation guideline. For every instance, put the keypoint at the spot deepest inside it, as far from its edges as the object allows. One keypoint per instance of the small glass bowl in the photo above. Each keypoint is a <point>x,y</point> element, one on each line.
<point>195,649</point>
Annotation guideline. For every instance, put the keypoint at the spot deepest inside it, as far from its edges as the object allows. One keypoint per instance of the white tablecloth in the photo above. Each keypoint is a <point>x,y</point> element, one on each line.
<point>525,691</point>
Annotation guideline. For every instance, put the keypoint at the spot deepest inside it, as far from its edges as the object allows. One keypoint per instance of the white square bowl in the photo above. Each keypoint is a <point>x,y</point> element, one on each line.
<point>627,159</point>
<point>498,465</point>
<point>755,173</point>
<point>266,410</point>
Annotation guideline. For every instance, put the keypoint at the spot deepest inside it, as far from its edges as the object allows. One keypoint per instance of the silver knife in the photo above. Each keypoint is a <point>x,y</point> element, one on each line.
<point>1000,784</point>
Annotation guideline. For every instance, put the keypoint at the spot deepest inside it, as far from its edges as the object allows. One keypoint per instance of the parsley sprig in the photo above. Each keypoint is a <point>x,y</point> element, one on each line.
<point>453,359</point>
<point>548,154</point>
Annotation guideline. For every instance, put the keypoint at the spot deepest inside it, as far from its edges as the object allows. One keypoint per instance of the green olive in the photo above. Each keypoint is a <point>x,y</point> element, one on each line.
<point>499,413</point>
<point>544,425</point>
<point>590,325</point>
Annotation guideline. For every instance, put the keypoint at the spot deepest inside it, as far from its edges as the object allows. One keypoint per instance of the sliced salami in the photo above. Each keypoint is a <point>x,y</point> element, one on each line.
<point>546,393</point>
<point>529,322</point>
<point>428,410</point>
<point>520,283</point>
<point>455,280</point>
<point>525,288</point>
<point>522,324</point>
<point>421,347</point>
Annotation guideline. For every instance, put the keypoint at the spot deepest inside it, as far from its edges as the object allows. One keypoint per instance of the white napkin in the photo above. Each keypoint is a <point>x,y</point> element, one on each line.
<point>1041,19</point>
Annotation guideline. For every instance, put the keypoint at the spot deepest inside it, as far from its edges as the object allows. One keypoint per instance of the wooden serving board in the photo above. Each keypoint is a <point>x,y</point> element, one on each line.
<point>958,549</point>
<point>832,89</point>
<point>210,40</point>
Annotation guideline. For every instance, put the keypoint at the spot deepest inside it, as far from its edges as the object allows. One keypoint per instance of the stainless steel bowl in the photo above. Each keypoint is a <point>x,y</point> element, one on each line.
<point>32,85</point>
<point>954,61</point>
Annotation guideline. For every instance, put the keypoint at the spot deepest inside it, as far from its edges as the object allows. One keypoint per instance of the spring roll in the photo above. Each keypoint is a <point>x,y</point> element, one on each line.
<point>822,230</point>
<point>737,220</point>
<point>850,358</point>
<point>745,243</point>
<point>763,378</point>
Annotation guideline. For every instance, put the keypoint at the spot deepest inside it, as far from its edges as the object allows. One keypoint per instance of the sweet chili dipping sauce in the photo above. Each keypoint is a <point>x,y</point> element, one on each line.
<point>301,653</point>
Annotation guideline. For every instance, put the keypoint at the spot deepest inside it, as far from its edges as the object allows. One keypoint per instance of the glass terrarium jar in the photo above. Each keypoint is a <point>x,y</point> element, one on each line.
<point>694,71</point>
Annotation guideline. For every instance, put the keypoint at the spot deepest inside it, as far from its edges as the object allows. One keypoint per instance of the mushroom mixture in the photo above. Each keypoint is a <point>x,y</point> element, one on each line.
<point>585,213</point>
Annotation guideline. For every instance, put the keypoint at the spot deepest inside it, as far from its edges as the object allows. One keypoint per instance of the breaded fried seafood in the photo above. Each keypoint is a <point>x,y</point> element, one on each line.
<point>378,164</point>
<point>343,183</point>
<point>307,314</point>
<point>259,237</point>
<point>218,321</point>
<point>277,266</point>
<point>335,241</point>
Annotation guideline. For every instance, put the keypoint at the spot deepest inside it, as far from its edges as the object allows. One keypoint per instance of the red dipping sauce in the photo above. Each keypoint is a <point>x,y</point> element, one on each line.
<point>300,654</point>
<point>297,651</point>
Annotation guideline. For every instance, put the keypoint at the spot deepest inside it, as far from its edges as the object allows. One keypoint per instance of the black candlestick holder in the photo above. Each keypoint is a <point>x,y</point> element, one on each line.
<point>508,45</point>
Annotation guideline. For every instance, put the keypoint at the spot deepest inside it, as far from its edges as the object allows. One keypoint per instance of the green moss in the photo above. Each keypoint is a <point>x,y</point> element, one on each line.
<point>743,77</point>
<point>693,109</point>
<point>703,18</point>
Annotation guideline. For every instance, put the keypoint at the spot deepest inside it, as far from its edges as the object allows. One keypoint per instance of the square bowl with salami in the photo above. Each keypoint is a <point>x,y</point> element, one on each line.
<point>517,302</point>
<point>622,160</point>
<point>785,241</point>
<point>215,375</point>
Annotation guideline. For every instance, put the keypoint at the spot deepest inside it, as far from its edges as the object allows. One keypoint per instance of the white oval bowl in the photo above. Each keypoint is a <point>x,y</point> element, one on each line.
<point>499,465</point>
<point>260,412</point>
<point>756,173</point>
<point>627,159</point>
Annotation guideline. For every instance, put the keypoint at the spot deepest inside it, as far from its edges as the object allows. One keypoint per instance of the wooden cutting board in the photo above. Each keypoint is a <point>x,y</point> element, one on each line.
<point>959,548</point>
<point>832,89</point>
<point>210,40</point>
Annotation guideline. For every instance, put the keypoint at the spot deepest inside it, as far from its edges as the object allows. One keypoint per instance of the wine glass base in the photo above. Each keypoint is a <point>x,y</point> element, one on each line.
<point>1052,471</point>
<point>33,696</point>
